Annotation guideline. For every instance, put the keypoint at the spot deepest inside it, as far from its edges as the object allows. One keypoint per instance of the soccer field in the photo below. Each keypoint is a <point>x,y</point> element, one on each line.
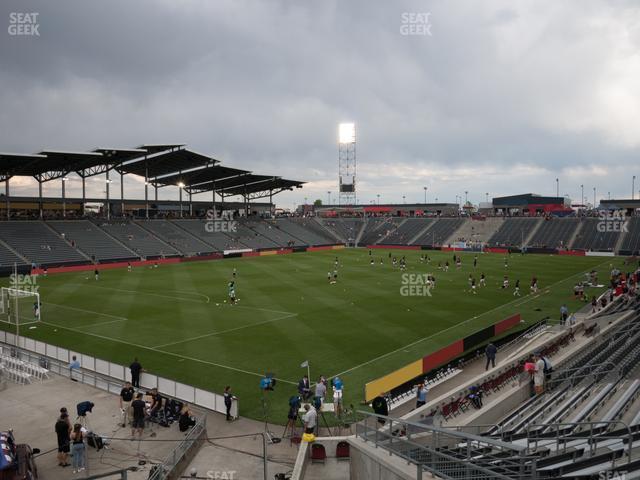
<point>175,318</point>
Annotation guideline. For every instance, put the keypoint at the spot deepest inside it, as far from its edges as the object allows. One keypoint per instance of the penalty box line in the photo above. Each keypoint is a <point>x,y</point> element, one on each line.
<point>164,352</point>
<point>522,301</point>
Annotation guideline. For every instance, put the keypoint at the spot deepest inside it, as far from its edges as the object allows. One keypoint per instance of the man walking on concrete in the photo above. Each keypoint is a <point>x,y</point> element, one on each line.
<point>490,352</point>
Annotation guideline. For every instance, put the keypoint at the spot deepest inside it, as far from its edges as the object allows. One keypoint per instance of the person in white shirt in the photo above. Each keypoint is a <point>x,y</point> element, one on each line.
<point>309,419</point>
<point>538,376</point>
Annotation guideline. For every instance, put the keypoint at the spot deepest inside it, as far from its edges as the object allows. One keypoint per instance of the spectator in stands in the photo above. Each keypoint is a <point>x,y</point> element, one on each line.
<point>380,407</point>
<point>125,399</point>
<point>475,396</point>
<point>138,406</point>
<point>538,375</point>
<point>135,369</point>
<point>421,395</point>
<point>564,313</point>
<point>63,430</point>
<point>490,353</point>
<point>74,368</point>
<point>594,304</point>
<point>309,419</point>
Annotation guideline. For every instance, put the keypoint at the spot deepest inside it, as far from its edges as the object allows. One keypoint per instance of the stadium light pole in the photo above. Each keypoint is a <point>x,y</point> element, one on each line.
<point>425,195</point>
<point>378,195</point>
<point>594,197</point>
<point>329,197</point>
<point>466,197</point>
<point>403,199</point>
<point>557,187</point>
<point>64,203</point>
<point>633,187</point>
<point>487,197</point>
<point>582,193</point>
<point>180,187</point>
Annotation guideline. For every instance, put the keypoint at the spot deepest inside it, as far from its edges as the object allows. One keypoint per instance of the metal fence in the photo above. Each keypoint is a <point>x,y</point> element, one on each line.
<point>447,453</point>
<point>110,376</point>
<point>190,441</point>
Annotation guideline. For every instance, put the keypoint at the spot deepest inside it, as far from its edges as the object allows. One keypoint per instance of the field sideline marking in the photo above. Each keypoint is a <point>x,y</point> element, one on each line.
<point>290,315</point>
<point>117,318</point>
<point>420,340</point>
<point>138,292</point>
<point>206,362</point>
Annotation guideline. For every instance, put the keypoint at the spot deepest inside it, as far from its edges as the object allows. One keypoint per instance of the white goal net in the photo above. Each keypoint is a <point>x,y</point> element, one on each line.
<point>19,307</point>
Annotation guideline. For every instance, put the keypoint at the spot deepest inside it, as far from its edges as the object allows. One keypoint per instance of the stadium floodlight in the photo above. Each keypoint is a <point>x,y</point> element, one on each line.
<point>347,133</point>
<point>181,184</point>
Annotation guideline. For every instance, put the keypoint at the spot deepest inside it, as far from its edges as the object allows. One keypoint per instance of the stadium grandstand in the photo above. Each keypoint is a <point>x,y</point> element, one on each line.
<point>475,423</point>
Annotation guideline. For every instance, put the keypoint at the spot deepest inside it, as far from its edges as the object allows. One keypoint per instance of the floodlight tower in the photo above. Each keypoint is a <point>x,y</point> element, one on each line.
<point>347,163</point>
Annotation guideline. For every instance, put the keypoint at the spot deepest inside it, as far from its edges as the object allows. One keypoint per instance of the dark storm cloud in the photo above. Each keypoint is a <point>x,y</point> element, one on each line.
<point>502,97</point>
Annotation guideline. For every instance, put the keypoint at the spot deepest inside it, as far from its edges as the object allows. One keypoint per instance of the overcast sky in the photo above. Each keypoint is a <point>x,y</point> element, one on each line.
<point>497,96</point>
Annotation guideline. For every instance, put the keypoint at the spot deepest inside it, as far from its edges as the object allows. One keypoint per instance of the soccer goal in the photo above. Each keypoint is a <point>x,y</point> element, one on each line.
<point>19,307</point>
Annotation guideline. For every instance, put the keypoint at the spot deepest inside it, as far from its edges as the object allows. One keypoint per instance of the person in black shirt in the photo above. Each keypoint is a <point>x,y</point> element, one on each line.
<point>156,403</point>
<point>126,396</point>
<point>62,432</point>
<point>186,420</point>
<point>138,407</point>
<point>135,368</point>
<point>228,401</point>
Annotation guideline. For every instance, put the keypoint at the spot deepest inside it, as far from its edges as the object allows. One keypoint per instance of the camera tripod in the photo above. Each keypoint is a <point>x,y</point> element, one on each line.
<point>271,438</point>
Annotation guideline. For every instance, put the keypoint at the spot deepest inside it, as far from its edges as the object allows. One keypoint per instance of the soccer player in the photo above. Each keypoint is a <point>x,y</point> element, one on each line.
<point>505,282</point>
<point>234,272</point>
<point>232,292</point>
<point>473,286</point>
<point>458,262</point>
<point>534,285</point>
<point>446,266</point>
<point>475,261</point>
<point>128,266</point>
<point>336,262</point>
<point>335,276</point>
<point>483,280</point>
<point>470,279</point>
<point>97,274</point>
<point>516,292</point>
<point>36,310</point>
<point>371,262</point>
<point>329,277</point>
<point>506,262</point>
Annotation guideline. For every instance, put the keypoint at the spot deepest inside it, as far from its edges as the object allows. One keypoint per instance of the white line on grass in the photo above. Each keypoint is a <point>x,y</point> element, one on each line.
<point>523,301</point>
<point>164,352</point>
<point>138,292</point>
<point>117,318</point>
<point>199,337</point>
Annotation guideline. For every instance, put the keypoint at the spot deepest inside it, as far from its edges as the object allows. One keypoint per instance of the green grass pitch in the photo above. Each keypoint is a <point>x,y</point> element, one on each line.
<point>175,319</point>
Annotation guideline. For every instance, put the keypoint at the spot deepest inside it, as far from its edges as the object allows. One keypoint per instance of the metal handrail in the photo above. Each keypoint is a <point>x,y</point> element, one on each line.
<point>431,447</point>
<point>559,427</point>
<point>122,472</point>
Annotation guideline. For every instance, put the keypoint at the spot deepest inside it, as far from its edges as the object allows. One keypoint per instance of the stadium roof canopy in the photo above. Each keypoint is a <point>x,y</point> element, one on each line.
<point>10,162</point>
<point>250,186</point>
<point>166,163</point>
<point>160,147</point>
<point>201,175</point>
